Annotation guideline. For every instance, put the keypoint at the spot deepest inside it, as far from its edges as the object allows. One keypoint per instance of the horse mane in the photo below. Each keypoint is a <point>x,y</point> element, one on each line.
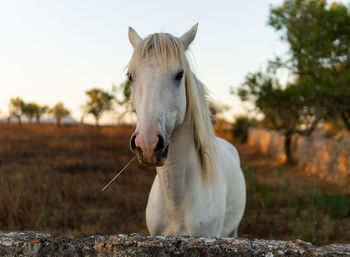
<point>168,50</point>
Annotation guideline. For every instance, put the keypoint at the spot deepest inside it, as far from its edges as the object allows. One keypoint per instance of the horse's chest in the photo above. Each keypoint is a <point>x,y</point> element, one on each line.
<point>186,222</point>
<point>195,218</point>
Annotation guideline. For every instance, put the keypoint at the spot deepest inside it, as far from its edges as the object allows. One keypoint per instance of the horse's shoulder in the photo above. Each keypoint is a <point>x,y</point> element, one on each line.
<point>225,145</point>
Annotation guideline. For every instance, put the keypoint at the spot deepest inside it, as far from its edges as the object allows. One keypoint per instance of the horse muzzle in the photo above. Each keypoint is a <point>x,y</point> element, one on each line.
<point>153,156</point>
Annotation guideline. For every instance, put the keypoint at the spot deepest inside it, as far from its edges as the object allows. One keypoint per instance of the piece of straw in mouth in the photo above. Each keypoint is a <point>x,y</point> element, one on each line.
<point>110,182</point>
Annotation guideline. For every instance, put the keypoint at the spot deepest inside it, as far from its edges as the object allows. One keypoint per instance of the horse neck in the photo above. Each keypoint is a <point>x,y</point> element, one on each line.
<point>181,173</point>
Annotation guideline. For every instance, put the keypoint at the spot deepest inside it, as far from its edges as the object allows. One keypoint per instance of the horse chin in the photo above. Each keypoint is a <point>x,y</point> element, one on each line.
<point>154,165</point>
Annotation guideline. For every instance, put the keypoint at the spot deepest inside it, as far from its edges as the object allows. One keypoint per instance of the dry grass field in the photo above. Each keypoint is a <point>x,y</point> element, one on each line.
<point>51,179</point>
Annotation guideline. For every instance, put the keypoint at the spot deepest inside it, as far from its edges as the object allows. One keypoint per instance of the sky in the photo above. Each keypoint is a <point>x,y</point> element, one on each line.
<point>55,50</point>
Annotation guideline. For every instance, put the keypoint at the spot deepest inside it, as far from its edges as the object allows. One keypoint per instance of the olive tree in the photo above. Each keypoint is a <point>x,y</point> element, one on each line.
<point>59,111</point>
<point>16,108</point>
<point>98,102</point>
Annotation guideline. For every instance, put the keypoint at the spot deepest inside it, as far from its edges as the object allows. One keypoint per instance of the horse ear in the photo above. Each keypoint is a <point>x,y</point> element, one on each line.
<point>134,38</point>
<point>188,37</point>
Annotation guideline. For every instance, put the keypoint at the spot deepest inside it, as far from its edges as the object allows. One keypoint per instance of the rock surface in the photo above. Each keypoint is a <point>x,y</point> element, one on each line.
<point>39,244</point>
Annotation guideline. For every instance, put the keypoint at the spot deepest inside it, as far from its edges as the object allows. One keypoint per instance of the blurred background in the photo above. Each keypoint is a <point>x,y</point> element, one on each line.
<point>278,73</point>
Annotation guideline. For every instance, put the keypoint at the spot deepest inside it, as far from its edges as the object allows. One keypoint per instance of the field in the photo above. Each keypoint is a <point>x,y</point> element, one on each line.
<point>51,179</point>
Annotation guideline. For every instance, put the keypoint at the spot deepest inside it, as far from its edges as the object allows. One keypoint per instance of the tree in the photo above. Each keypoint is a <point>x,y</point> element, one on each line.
<point>29,109</point>
<point>286,109</point>
<point>318,36</point>
<point>59,111</point>
<point>40,110</point>
<point>16,108</point>
<point>98,102</point>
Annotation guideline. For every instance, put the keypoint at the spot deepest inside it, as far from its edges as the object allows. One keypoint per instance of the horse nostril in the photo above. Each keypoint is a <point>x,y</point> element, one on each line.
<point>132,143</point>
<point>160,144</point>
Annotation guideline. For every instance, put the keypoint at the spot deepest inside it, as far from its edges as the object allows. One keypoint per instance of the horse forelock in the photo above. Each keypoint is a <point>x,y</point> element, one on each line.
<point>166,48</point>
<point>168,51</point>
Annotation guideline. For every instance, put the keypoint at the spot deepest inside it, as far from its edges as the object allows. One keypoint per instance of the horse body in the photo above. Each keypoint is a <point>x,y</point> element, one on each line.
<point>181,204</point>
<point>199,188</point>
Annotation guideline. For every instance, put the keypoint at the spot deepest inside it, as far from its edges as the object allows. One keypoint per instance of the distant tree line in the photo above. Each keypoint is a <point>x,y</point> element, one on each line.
<point>19,108</point>
<point>318,36</point>
<point>99,101</point>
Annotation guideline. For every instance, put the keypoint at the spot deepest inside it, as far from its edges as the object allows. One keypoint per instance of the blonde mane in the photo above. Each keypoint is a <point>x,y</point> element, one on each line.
<point>168,50</point>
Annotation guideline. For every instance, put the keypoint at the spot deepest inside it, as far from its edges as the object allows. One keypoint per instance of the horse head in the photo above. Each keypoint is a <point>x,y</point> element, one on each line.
<point>157,72</point>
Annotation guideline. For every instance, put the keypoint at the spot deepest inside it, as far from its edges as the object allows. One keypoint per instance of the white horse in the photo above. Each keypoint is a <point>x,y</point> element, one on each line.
<point>199,188</point>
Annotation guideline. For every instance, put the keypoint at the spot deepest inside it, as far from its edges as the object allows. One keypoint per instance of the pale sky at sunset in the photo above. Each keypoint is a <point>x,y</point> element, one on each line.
<point>54,50</point>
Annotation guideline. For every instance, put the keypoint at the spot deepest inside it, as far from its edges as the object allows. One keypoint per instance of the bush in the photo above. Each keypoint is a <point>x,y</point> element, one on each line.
<point>241,127</point>
<point>338,205</point>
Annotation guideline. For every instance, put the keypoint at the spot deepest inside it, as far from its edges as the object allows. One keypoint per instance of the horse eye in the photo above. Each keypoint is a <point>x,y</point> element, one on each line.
<point>129,76</point>
<point>179,75</point>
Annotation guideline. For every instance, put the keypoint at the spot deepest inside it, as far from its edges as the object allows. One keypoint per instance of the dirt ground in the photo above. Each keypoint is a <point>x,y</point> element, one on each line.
<point>51,179</point>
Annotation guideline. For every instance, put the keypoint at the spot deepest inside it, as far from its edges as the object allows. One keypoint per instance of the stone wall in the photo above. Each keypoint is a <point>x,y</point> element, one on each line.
<point>268,142</point>
<point>323,157</point>
<point>38,244</point>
